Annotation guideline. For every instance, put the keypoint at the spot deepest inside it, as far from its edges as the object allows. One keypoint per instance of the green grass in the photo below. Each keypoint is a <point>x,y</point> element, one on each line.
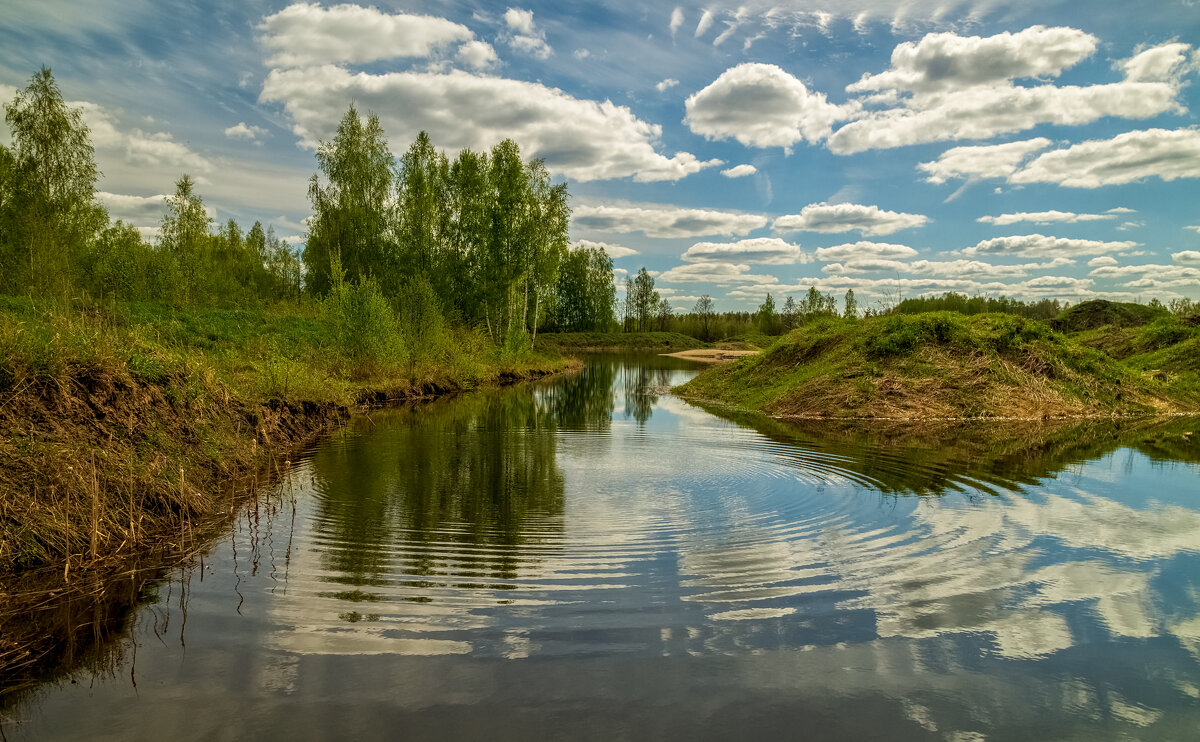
<point>581,341</point>
<point>945,364</point>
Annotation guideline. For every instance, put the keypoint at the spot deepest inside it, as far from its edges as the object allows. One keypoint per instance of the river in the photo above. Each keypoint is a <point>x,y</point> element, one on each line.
<point>590,557</point>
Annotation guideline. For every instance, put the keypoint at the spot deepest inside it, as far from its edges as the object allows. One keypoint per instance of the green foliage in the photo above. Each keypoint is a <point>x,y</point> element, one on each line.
<point>362,321</point>
<point>47,185</point>
<point>353,208</point>
<point>584,295</point>
<point>961,303</point>
<point>768,319</point>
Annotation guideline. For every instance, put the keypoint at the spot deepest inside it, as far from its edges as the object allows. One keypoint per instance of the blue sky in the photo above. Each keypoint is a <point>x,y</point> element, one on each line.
<point>1036,149</point>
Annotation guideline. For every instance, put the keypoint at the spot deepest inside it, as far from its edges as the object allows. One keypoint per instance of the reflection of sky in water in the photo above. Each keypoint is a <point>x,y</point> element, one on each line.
<point>661,531</point>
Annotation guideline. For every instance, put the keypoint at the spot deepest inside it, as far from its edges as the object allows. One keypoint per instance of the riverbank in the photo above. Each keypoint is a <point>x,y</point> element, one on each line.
<point>943,365</point>
<point>590,342</point>
<point>122,428</point>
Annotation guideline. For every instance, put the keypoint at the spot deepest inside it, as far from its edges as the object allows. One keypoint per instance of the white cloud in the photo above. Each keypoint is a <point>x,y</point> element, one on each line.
<point>965,269</point>
<point>137,147</point>
<point>656,220</point>
<point>1157,64</point>
<point>830,218</point>
<point>1194,227</point>
<point>242,131</point>
<point>307,34</point>
<point>1103,260</point>
<point>526,36</point>
<point>1187,257</point>
<point>947,61</point>
<point>722,274</point>
<point>955,87</point>
<point>676,20</point>
<point>1045,217</point>
<point>581,139</point>
<point>613,251</point>
<point>760,105</point>
<point>1128,157</point>
<point>706,21</point>
<point>739,171</point>
<point>762,250</point>
<point>984,161</point>
<point>478,54</point>
<point>519,20</point>
<point>581,54</point>
<point>666,84</point>
<point>862,250</point>
<point>140,211</point>
<point>1041,246</point>
<point>986,112</point>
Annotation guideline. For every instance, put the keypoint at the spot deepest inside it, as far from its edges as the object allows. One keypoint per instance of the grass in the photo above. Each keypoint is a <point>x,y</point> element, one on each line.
<point>948,365</point>
<point>585,341</point>
<point>120,427</point>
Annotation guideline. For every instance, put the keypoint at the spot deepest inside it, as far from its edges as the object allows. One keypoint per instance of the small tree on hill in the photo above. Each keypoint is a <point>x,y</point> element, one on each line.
<point>768,320</point>
<point>851,311</point>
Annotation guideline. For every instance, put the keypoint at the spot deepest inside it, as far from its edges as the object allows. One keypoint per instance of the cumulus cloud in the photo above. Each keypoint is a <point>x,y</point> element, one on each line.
<point>1150,276</point>
<point>613,251</point>
<point>243,131</point>
<point>1157,64</point>
<point>667,84</point>
<point>1187,257</point>
<point>1045,217</point>
<point>739,171</point>
<point>859,251</point>
<point>1194,227</point>
<point>526,36</point>
<point>983,161</point>
<point>947,61</point>
<point>953,87</point>
<point>986,112</point>
<point>306,34</point>
<point>760,105</point>
<point>722,274</point>
<point>581,139</point>
<point>656,220</point>
<point>762,250</point>
<point>478,55</point>
<point>830,218</point>
<point>1041,246</point>
<point>1134,155</point>
<point>1103,260</point>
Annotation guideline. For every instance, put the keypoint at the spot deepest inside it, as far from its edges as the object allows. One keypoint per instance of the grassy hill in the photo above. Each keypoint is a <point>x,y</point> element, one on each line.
<point>948,365</point>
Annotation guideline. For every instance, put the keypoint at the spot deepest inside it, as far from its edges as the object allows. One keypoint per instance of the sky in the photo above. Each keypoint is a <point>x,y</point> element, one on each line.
<point>1029,148</point>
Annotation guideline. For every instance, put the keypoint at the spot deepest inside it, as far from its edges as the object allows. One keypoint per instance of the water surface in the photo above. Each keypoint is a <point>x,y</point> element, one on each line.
<point>593,558</point>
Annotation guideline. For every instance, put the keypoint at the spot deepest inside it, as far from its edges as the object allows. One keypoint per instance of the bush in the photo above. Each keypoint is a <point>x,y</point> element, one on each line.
<point>362,323</point>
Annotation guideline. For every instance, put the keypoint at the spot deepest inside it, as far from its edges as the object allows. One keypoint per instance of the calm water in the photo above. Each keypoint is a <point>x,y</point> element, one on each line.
<point>592,558</point>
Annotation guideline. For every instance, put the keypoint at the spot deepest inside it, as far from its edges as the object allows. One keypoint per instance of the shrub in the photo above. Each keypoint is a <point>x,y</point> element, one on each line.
<point>363,325</point>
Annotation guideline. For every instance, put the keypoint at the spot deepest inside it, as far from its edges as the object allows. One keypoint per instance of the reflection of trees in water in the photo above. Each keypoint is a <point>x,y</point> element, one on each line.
<point>933,457</point>
<point>477,470</point>
<point>642,385</point>
<point>583,401</point>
